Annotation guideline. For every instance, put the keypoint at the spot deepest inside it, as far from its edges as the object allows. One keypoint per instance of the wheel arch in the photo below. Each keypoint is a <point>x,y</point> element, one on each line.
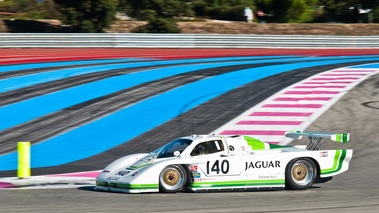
<point>188,174</point>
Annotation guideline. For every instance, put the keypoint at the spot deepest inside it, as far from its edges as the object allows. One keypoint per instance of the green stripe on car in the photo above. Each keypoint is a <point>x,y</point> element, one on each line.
<point>127,185</point>
<point>343,138</point>
<point>254,143</point>
<point>232,184</point>
<point>138,166</point>
<point>337,165</point>
<point>137,186</point>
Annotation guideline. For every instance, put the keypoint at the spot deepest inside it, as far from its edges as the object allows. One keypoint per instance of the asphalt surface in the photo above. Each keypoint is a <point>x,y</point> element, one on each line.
<point>200,120</point>
<point>353,191</point>
<point>53,124</point>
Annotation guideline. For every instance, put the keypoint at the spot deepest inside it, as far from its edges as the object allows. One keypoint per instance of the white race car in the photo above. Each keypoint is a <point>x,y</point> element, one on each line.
<point>225,163</point>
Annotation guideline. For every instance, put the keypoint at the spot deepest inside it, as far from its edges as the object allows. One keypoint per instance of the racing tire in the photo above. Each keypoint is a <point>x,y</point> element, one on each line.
<point>300,174</point>
<point>172,179</point>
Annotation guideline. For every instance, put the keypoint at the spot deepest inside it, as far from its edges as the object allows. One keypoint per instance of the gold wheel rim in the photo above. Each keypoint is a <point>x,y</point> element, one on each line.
<point>299,172</point>
<point>171,177</point>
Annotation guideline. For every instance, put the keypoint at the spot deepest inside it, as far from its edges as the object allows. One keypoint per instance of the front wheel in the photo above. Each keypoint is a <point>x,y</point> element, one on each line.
<point>172,179</point>
<point>300,174</point>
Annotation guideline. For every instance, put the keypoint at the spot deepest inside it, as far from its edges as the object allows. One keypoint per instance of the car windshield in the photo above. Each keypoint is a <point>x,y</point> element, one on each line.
<point>169,149</point>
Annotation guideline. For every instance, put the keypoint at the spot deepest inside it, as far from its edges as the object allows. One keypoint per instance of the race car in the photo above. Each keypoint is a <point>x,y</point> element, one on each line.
<point>199,163</point>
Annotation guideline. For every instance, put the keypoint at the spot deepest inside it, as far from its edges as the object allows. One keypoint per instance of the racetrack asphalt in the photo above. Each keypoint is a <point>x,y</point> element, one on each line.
<point>356,113</point>
<point>353,191</point>
<point>205,118</point>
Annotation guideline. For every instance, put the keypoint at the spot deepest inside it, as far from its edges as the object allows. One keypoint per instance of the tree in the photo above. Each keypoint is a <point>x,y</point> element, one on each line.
<point>88,16</point>
<point>222,9</point>
<point>150,9</point>
<point>30,9</point>
<point>343,11</point>
<point>296,10</point>
<point>280,9</point>
<point>160,14</point>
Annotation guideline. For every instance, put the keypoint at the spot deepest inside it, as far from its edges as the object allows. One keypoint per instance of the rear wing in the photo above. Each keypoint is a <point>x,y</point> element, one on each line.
<point>315,138</point>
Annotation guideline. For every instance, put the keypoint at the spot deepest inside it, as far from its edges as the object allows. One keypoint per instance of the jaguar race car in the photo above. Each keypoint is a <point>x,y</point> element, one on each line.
<point>222,163</point>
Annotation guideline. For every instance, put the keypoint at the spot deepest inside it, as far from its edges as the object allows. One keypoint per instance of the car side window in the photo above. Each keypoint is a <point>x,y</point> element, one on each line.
<point>208,147</point>
<point>220,146</point>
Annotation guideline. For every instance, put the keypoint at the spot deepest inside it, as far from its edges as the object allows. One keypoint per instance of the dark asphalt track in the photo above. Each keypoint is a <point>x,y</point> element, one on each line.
<point>63,120</point>
<point>201,120</point>
<point>353,191</point>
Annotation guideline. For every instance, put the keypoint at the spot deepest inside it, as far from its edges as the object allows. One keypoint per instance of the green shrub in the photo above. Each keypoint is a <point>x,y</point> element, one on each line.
<point>376,15</point>
<point>30,9</point>
<point>232,10</point>
<point>225,12</point>
<point>159,25</point>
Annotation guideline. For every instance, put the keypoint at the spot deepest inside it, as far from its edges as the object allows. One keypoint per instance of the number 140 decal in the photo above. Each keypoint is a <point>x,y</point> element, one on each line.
<point>218,167</point>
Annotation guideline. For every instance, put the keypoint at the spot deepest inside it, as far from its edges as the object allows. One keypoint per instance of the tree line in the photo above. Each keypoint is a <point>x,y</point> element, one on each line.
<point>162,15</point>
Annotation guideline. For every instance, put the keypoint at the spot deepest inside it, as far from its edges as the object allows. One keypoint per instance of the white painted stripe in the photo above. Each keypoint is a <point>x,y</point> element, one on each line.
<point>268,109</point>
<point>298,102</point>
<point>342,83</point>
<point>264,127</point>
<point>307,95</point>
<point>274,118</point>
<point>321,89</point>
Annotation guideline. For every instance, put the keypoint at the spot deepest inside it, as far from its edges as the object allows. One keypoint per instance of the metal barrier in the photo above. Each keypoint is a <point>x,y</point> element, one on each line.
<point>137,40</point>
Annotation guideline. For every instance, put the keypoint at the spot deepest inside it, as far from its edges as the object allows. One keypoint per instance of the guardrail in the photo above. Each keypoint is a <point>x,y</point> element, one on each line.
<point>137,40</point>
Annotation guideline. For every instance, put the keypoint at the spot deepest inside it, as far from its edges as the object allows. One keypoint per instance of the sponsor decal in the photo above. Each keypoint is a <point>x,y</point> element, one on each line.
<point>105,171</point>
<point>207,179</point>
<point>122,173</point>
<point>267,176</point>
<point>196,175</point>
<point>113,178</point>
<point>203,179</point>
<point>198,179</point>
<point>193,168</point>
<point>243,148</point>
<point>323,154</point>
<point>262,164</point>
<point>134,174</point>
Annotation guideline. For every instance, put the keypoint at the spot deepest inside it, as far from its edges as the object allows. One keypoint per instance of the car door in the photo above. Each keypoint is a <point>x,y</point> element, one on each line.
<point>263,169</point>
<point>213,160</point>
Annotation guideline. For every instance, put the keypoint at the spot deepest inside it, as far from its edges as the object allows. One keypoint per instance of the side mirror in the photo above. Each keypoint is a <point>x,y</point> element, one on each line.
<point>176,153</point>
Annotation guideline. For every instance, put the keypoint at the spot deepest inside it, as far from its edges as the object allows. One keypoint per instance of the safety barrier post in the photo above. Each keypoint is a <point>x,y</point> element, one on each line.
<point>23,170</point>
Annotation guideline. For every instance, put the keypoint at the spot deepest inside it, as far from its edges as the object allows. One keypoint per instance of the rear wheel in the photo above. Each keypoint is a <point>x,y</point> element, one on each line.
<point>300,174</point>
<point>172,179</point>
